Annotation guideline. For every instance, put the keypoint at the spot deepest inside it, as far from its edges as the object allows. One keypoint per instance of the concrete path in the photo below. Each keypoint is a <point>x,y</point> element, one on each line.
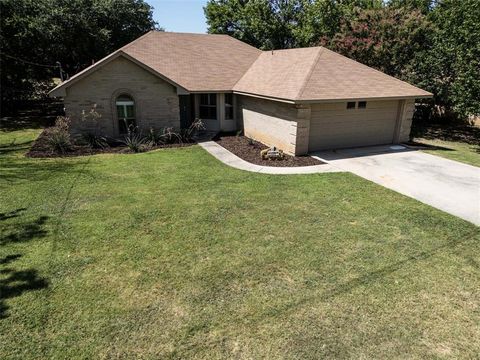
<point>445,184</point>
<point>232,160</point>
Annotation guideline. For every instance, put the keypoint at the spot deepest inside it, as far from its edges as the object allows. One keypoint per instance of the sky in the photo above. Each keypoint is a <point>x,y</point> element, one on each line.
<point>180,15</point>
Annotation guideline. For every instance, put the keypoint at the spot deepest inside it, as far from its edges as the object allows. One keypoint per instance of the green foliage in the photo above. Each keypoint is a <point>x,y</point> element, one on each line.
<point>73,32</point>
<point>455,56</point>
<point>58,136</point>
<point>135,141</point>
<point>393,40</point>
<point>95,141</point>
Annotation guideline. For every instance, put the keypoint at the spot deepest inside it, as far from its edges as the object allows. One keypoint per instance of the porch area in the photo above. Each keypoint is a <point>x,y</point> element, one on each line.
<point>216,110</point>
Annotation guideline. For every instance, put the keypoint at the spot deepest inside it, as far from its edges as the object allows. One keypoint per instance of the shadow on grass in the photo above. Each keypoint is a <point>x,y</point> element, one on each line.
<point>16,169</point>
<point>456,133</point>
<point>14,282</point>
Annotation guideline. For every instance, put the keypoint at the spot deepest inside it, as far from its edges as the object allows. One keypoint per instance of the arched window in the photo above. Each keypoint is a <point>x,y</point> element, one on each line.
<point>125,113</point>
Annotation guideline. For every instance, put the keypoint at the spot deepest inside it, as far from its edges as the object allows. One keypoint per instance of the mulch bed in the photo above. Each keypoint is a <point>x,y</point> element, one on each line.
<point>41,148</point>
<point>249,150</point>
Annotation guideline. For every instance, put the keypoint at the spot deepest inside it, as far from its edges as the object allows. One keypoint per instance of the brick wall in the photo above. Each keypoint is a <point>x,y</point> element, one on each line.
<point>156,101</point>
<point>274,123</point>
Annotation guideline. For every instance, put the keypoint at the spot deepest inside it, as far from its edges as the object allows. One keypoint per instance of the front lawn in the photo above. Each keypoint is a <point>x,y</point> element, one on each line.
<point>171,254</point>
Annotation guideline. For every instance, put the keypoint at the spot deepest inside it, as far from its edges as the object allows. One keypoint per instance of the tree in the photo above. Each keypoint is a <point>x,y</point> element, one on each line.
<point>266,24</point>
<point>35,34</point>
<point>393,40</point>
<point>454,59</point>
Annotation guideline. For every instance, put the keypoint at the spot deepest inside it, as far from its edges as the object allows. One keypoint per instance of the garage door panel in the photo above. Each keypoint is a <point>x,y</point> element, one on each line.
<point>334,126</point>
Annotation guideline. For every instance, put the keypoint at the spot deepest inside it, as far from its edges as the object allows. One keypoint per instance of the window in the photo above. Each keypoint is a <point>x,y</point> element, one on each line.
<point>351,105</point>
<point>228,106</point>
<point>362,104</point>
<point>208,106</point>
<point>125,113</point>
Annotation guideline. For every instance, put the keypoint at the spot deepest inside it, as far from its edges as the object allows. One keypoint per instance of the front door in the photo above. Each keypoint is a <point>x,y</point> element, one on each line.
<point>185,111</point>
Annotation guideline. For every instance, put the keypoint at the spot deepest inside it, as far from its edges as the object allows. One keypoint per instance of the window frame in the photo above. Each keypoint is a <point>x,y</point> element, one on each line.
<point>125,121</point>
<point>210,106</point>
<point>364,103</point>
<point>349,103</point>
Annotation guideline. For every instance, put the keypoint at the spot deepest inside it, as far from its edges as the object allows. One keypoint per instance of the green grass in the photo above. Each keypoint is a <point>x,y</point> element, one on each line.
<point>453,150</point>
<point>171,254</point>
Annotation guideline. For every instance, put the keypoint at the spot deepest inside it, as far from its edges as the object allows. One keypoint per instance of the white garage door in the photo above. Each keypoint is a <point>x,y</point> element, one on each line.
<point>334,126</point>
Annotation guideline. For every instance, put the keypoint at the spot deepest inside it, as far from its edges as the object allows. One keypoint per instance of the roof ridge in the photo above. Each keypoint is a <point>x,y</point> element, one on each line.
<point>247,70</point>
<point>292,49</point>
<point>124,47</point>
<point>309,74</point>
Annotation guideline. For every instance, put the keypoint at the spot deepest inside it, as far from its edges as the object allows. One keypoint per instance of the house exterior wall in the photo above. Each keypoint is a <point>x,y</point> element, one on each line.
<point>275,123</point>
<point>298,129</point>
<point>156,101</point>
<point>405,116</point>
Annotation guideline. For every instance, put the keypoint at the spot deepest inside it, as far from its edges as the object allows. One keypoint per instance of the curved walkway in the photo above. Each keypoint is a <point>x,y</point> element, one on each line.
<point>232,160</point>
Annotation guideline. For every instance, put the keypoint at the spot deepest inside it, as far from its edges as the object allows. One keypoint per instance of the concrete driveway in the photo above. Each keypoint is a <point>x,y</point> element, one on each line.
<point>444,184</point>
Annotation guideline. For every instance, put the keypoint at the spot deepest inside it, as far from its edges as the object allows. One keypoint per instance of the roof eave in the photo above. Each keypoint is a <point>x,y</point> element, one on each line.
<point>371,98</point>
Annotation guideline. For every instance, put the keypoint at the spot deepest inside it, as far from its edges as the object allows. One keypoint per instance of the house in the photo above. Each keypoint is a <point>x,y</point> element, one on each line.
<point>299,100</point>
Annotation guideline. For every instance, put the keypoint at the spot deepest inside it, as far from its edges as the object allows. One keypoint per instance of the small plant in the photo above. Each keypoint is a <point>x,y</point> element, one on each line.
<point>135,141</point>
<point>188,134</point>
<point>154,137</point>
<point>58,138</point>
<point>169,136</point>
<point>239,133</point>
<point>94,139</point>
<point>251,142</point>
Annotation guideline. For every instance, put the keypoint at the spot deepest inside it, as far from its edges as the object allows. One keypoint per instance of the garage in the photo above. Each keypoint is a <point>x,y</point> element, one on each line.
<point>351,124</point>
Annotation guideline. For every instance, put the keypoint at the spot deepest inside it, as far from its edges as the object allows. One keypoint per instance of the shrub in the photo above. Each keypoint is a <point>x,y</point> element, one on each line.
<point>95,141</point>
<point>135,141</point>
<point>154,137</point>
<point>169,136</point>
<point>58,136</point>
<point>188,134</point>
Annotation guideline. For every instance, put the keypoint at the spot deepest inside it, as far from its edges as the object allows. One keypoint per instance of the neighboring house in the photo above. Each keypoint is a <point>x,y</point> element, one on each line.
<point>300,100</point>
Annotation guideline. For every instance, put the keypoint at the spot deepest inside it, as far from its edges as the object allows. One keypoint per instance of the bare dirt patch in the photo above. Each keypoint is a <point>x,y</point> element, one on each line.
<point>249,150</point>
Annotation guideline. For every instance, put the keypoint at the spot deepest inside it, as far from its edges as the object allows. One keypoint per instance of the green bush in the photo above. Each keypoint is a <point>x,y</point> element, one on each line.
<point>135,141</point>
<point>58,136</point>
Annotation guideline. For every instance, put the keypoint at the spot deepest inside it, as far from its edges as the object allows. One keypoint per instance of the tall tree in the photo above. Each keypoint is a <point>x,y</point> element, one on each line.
<point>389,39</point>
<point>35,34</point>
<point>454,60</point>
<point>267,24</point>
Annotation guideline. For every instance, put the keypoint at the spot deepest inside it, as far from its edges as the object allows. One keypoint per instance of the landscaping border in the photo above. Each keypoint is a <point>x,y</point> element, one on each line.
<point>232,160</point>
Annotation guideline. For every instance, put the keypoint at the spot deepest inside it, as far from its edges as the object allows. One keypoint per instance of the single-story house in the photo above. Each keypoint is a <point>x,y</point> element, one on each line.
<point>299,100</point>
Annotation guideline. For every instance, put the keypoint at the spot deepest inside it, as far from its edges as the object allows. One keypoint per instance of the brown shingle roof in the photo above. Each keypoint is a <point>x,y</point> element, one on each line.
<point>209,63</point>
<point>317,73</point>
<point>197,62</point>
